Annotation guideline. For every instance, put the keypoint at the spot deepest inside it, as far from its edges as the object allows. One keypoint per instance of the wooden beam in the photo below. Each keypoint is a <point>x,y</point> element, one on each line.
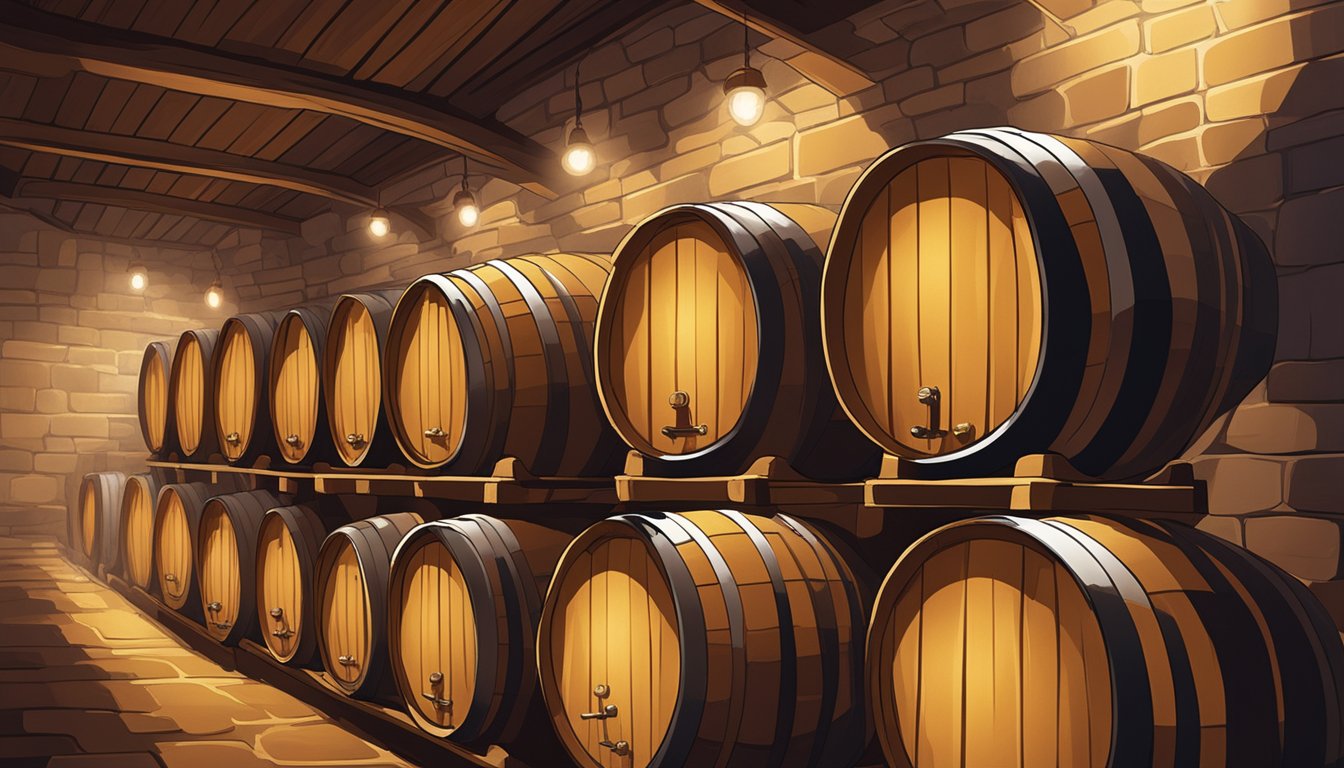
<point>25,207</point>
<point>829,71</point>
<point>138,200</point>
<point>178,158</point>
<point>51,45</point>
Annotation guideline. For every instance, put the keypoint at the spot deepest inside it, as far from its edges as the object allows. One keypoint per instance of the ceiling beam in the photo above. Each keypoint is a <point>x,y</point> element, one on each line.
<point>27,208</point>
<point>51,45</point>
<point>178,158</point>
<point>138,200</point>
<point>825,69</point>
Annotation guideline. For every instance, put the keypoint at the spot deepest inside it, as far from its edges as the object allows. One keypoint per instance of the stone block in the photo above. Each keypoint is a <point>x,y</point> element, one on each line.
<point>1164,76</point>
<point>650,45</point>
<point>1306,547</point>
<point>945,97</point>
<point>1316,484</point>
<point>1222,143</point>
<point>753,168</point>
<point>845,142</point>
<point>1002,27</point>
<point>687,162</point>
<point>55,463</point>
<point>100,359</point>
<point>1278,43</point>
<point>18,399</point>
<point>1305,381</point>
<point>1252,184</point>
<point>76,335</point>
<point>23,425</point>
<point>52,401</point>
<point>1240,485</point>
<point>20,349</point>
<point>806,97</point>
<point>1311,316</point>
<point>13,461</point>
<point>35,489</point>
<point>1040,113</point>
<point>1044,70</point>
<point>1225,528</point>
<point>687,189</point>
<point>1278,428</point>
<point>1163,120</point>
<point>99,402</point>
<point>1250,97</point>
<point>79,425</point>
<point>1314,166</point>
<point>1173,30</point>
<point>61,281</point>
<point>1097,96</point>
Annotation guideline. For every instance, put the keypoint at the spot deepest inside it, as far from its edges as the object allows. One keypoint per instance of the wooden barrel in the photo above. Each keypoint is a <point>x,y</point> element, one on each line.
<point>137,529</point>
<point>192,391</point>
<point>703,635</point>
<point>288,542</point>
<point>226,551</point>
<point>995,293</point>
<point>352,378</point>
<point>98,521</point>
<point>495,361</point>
<point>298,411</point>
<point>464,601</point>
<point>242,410</point>
<point>1093,642</point>
<point>708,332</point>
<point>156,417</point>
<point>352,570</point>
<point>177,520</point>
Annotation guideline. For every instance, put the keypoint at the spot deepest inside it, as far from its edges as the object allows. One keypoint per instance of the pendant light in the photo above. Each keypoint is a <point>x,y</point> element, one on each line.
<point>464,202</point>
<point>139,277</point>
<point>745,87</point>
<point>379,223</point>
<point>214,295</point>
<point>579,158</point>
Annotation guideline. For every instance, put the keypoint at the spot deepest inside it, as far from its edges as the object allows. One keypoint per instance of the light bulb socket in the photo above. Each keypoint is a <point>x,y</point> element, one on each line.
<point>746,77</point>
<point>463,197</point>
<point>578,136</point>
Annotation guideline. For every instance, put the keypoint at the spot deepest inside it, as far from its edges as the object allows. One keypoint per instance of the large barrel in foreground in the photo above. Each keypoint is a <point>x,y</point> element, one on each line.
<point>288,542</point>
<point>352,570</point>
<point>191,388</point>
<point>464,600</point>
<point>995,293</point>
<point>98,517</point>
<point>1094,642</point>
<point>242,409</point>
<point>154,408</point>
<point>681,639</point>
<point>226,551</point>
<point>708,344</point>
<point>137,529</point>
<point>495,361</point>
<point>294,387</point>
<point>352,378</point>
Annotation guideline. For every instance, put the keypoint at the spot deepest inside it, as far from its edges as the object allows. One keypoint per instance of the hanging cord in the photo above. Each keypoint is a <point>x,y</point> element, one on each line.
<point>746,43</point>
<point>464,173</point>
<point>578,98</point>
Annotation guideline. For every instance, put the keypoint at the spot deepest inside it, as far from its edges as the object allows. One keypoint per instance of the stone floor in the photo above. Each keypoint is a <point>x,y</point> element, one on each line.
<point>87,680</point>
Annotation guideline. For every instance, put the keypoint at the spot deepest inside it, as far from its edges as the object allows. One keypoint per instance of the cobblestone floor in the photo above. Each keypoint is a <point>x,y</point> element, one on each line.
<point>87,680</point>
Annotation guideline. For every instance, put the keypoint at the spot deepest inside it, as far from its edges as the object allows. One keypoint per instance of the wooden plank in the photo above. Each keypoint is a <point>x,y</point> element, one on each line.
<point>35,40</point>
<point>146,201</point>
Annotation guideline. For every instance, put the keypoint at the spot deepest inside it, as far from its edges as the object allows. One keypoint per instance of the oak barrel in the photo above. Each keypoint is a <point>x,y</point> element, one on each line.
<point>288,542</point>
<point>177,519</point>
<point>191,388</point>
<point>700,635</point>
<point>495,361</point>
<point>708,344</point>
<point>994,293</point>
<point>352,378</point>
<point>352,570</point>
<point>294,386</point>
<point>1095,642</point>
<point>156,415</point>
<point>98,521</point>
<point>242,409</point>
<point>226,552</point>
<point>464,600</point>
<point>137,529</point>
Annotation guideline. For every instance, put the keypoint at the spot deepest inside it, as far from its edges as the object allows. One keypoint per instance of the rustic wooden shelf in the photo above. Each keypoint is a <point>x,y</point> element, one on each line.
<point>508,483</point>
<point>769,481</point>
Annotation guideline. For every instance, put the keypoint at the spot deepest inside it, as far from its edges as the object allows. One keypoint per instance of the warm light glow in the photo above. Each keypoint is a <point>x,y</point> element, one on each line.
<point>379,224</point>
<point>579,158</point>
<point>139,278</point>
<point>214,296</point>
<point>468,214</point>
<point>746,104</point>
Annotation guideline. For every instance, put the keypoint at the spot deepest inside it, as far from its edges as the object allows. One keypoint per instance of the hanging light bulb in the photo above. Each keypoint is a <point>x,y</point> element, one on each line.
<point>139,277</point>
<point>379,223</point>
<point>464,202</point>
<point>579,158</point>
<point>745,87</point>
<point>214,295</point>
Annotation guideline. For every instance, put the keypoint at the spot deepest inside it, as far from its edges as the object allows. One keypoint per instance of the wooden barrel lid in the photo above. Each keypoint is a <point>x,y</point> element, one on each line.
<point>156,425</point>
<point>137,529</point>
<point>352,379</point>
<point>298,409</point>
<point>192,389</point>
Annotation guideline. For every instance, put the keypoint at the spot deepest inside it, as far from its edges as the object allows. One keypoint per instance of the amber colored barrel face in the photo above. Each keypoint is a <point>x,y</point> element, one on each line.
<point>287,546</point>
<point>226,547</point>
<point>155,411</point>
<point>98,521</point>
<point>137,530</point>
<point>294,385</point>
<point>191,388</point>
<point>996,292</point>
<point>242,408</point>
<point>1096,642</point>
<point>352,378</point>
<point>708,331</point>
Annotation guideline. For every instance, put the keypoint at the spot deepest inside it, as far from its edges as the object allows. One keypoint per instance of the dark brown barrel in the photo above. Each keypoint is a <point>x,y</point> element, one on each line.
<point>352,570</point>
<point>226,551</point>
<point>704,635</point>
<point>191,389</point>
<point>495,361</point>
<point>98,521</point>
<point>464,602</point>
<point>352,378</point>
<point>137,530</point>
<point>1095,642</point>
<point>156,414</point>
<point>708,336</point>
<point>294,385</point>
<point>177,519</point>
<point>242,409</point>
<point>995,293</point>
<point>288,542</point>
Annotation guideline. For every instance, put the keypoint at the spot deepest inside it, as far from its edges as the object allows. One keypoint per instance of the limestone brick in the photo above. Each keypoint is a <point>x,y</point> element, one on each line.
<point>844,142</point>
<point>1044,70</point>
<point>757,167</point>
<point>1164,76</point>
<point>1277,43</point>
<point>1306,547</point>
